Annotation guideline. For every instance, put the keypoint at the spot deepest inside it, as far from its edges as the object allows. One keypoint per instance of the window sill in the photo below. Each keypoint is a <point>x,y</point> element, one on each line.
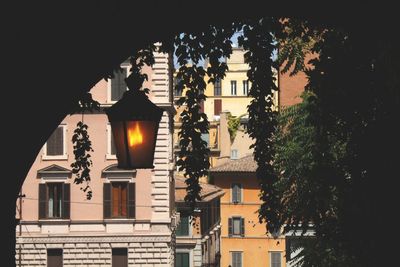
<point>54,221</point>
<point>61,157</point>
<point>110,157</point>
<point>120,220</point>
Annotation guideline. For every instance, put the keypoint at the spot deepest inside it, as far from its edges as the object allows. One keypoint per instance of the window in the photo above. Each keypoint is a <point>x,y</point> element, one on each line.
<point>55,147</point>
<point>111,153</point>
<point>176,81</point>
<point>217,87</point>
<point>206,138</point>
<point>55,257</point>
<point>217,107</point>
<point>236,259</point>
<point>245,87</point>
<point>234,154</point>
<point>236,226</point>
<point>117,86</point>
<point>54,201</point>
<point>182,259</point>
<point>233,87</point>
<point>276,258</point>
<point>119,200</point>
<point>236,193</point>
<point>119,257</point>
<point>201,109</point>
<point>183,227</point>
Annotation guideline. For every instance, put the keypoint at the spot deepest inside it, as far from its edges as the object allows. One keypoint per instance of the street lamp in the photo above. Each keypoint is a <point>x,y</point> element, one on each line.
<point>134,123</point>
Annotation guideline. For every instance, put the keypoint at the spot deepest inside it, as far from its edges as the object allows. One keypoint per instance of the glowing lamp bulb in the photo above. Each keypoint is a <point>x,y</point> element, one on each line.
<point>135,136</point>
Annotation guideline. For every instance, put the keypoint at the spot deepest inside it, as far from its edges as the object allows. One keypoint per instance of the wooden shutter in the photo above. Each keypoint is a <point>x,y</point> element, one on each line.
<point>217,106</point>
<point>107,201</point>
<point>242,226</point>
<point>131,200</point>
<point>42,200</point>
<point>238,193</point>
<point>124,200</point>
<point>118,85</point>
<point>230,227</point>
<point>55,144</point>
<point>66,201</point>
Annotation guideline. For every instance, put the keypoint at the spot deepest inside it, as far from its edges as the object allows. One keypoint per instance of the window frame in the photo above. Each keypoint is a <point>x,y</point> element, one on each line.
<point>231,226</point>
<point>188,251</point>
<point>60,196</point>
<point>119,176</point>
<point>65,213</point>
<point>190,232</point>
<point>237,154</point>
<point>64,156</point>
<point>109,81</point>
<point>120,198</point>
<point>218,87</point>
<point>231,257</point>
<point>109,139</point>
<point>270,257</point>
<point>245,84</point>
<point>241,193</point>
<point>234,87</point>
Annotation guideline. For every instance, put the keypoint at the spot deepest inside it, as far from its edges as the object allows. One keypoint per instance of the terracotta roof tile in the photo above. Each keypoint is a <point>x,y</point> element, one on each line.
<point>245,164</point>
<point>207,193</point>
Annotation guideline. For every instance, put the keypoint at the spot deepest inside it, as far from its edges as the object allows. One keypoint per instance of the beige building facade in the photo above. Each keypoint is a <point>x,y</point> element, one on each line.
<point>198,234</point>
<point>131,217</point>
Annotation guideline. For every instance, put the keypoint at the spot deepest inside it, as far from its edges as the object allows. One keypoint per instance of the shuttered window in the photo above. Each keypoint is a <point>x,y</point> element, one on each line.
<point>236,193</point>
<point>183,227</point>
<point>217,87</point>
<point>54,257</point>
<point>217,107</point>
<point>182,259</point>
<point>233,88</point>
<point>119,257</point>
<point>118,85</point>
<point>55,144</point>
<point>236,226</point>
<point>245,87</point>
<point>236,259</point>
<point>54,201</point>
<point>276,259</point>
<point>119,200</point>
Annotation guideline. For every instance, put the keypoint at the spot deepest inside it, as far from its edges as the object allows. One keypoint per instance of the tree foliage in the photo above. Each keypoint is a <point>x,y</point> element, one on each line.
<point>326,162</point>
<point>335,150</point>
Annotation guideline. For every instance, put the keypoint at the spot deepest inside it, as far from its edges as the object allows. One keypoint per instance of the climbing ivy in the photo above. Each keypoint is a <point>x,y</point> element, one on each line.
<point>233,125</point>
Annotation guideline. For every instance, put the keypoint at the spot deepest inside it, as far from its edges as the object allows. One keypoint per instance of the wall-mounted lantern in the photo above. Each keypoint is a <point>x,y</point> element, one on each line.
<point>134,122</point>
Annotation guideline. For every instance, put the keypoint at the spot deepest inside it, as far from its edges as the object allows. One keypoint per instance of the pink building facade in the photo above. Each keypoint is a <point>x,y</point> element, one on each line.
<point>131,216</point>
